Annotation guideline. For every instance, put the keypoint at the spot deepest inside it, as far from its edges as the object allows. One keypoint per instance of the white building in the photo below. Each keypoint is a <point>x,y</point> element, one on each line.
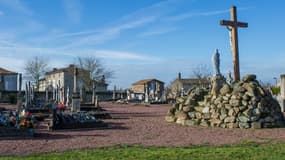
<point>63,77</point>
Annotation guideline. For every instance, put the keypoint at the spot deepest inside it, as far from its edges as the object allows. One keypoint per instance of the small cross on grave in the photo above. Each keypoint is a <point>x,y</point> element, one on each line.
<point>233,25</point>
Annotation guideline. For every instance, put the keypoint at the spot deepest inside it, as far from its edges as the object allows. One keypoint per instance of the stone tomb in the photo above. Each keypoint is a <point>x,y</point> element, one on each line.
<point>243,104</point>
<point>77,120</point>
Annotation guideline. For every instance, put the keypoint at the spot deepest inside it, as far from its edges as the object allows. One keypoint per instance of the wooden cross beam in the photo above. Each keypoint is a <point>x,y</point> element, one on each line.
<point>233,24</point>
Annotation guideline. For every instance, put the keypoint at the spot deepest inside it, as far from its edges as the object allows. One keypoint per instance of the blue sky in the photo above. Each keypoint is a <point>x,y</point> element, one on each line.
<point>141,39</point>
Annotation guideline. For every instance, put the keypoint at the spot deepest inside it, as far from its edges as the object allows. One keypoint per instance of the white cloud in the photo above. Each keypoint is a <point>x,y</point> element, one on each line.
<point>11,49</point>
<point>139,18</point>
<point>156,32</point>
<point>123,55</point>
<point>12,64</point>
<point>108,33</point>
<point>190,15</point>
<point>72,9</point>
<point>199,14</point>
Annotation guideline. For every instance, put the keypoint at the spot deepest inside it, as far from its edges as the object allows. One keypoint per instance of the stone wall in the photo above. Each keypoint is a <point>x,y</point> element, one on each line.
<point>243,104</point>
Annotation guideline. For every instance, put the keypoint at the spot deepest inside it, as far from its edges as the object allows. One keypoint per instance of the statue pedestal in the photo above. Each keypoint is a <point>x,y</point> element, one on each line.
<point>217,83</point>
<point>75,107</point>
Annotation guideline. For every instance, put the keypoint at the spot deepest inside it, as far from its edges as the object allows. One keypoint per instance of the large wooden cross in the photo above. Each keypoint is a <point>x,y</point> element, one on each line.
<point>233,24</point>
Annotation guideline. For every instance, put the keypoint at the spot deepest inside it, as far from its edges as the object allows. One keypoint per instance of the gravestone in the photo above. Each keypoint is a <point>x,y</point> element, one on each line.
<point>282,91</point>
<point>146,98</point>
<point>75,107</point>
<point>114,93</point>
<point>93,92</point>
<point>19,95</point>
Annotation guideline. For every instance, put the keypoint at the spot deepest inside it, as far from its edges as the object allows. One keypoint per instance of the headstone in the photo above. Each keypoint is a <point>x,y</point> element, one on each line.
<point>46,95</point>
<point>26,96</point>
<point>96,102</point>
<point>53,93</point>
<point>75,96</point>
<point>67,97</point>
<point>146,99</point>
<point>56,93</point>
<point>19,95</point>
<point>1,85</point>
<point>282,91</point>
<point>114,93</point>
<point>93,92</point>
<point>128,95</point>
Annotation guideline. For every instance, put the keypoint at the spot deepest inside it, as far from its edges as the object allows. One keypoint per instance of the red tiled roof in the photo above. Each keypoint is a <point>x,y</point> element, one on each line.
<point>5,71</point>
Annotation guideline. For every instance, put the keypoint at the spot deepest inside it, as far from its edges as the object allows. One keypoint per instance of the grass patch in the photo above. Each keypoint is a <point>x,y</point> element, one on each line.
<point>246,150</point>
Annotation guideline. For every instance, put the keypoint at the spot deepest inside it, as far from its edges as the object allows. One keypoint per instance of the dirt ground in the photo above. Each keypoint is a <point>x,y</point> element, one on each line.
<point>134,124</point>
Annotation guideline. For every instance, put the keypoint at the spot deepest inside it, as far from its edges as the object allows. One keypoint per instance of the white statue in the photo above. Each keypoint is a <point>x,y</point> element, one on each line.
<point>216,63</point>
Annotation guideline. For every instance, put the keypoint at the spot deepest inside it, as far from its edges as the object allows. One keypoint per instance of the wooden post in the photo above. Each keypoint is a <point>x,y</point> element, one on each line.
<point>233,26</point>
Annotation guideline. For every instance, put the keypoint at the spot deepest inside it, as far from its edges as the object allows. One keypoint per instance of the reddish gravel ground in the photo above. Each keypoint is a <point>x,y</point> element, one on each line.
<point>135,125</point>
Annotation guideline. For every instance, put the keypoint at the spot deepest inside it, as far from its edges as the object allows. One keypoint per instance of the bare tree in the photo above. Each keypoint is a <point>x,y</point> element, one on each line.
<point>98,71</point>
<point>36,68</point>
<point>201,71</point>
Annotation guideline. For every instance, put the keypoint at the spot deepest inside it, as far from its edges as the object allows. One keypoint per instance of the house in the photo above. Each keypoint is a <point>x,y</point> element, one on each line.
<point>152,88</point>
<point>101,85</point>
<point>183,85</point>
<point>8,80</point>
<point>63,77</point>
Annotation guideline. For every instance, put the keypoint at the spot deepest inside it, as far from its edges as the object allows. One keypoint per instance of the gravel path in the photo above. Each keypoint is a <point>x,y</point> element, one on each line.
<point>135,125</point>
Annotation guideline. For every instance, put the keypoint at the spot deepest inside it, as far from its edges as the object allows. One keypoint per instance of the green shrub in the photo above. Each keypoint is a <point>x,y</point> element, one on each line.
<point>275,90</point>
<point>12,99</point>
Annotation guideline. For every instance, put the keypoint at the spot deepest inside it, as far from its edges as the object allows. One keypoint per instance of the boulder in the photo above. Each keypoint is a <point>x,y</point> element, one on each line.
<point>235,102</point>
<point>231,112</point>
<point>190,122</point>
<point>243,125</point>
<point>225,89</point>
<point>249,77</point>
<point>243,119</point>
<point>231,119</point>
<point>206,110</point>
<point>180,100</point>
<point>204,123</point>
<point>192,115</point>
<point>250,89</point>
<point>199,109</point>
<point>206,116</point>
<point>186,109</point>
<point>170,119</point>
<point>180,116</point>
<point>223,116</point>
<point>232,125</point>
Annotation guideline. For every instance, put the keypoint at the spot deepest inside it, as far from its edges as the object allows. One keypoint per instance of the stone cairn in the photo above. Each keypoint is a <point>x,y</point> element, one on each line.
<point>242,104</point>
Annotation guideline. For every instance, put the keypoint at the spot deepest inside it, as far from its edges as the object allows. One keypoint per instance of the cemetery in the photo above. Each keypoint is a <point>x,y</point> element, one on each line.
<point>60,116</point>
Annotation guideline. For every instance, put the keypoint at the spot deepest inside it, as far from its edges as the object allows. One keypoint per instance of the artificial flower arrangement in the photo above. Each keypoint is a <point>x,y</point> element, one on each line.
<point>13,119</point>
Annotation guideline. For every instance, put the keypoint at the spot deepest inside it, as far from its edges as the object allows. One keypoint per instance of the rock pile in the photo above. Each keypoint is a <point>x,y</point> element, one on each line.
<point>243,104</point>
